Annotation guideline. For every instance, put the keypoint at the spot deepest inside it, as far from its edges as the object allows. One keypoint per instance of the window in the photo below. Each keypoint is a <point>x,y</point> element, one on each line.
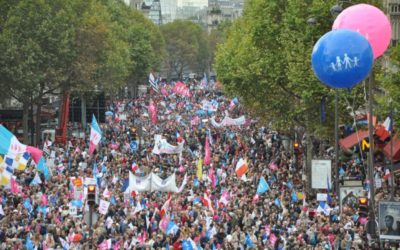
<point>394,8</point>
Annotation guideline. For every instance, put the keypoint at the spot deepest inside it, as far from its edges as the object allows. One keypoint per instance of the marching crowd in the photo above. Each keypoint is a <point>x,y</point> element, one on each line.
<point>216,209</point>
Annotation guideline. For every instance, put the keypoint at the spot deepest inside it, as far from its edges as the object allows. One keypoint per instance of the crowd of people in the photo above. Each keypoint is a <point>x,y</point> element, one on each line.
<point>216,209</point>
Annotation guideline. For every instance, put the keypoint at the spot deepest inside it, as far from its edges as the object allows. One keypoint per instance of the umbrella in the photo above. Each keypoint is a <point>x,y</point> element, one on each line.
<point>109,113</point>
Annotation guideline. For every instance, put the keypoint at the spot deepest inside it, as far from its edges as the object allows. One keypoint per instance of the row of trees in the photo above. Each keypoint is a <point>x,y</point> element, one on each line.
<point>58,46</point>
<point>266,60</point>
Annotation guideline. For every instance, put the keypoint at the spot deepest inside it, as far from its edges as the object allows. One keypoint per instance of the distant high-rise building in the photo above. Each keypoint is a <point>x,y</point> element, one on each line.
<point>168,10</point>
<point>155,13</point>
<point>136,4</point>
<point>220,10</point>
<point>207,13</point>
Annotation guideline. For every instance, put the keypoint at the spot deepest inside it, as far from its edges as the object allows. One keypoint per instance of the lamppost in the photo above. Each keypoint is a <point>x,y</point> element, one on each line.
<point>371,225</point>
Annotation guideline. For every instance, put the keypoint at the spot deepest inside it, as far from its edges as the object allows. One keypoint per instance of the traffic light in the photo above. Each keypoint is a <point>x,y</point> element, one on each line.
<point>91,195</point>
<point>363,207</point>
<point>296,148</point>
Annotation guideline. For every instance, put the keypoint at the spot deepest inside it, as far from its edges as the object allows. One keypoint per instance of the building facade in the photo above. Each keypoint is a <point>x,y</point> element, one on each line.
<point>392,8</point>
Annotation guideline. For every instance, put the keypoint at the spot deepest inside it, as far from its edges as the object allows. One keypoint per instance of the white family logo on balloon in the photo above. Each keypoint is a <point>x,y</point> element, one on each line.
<point>346,64</point>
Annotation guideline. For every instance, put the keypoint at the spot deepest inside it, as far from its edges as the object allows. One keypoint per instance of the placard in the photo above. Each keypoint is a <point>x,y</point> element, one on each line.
<point>389,220</point>
<point>73,211</point>
<point>349,196</point>
<point>322,197</point>
<point>103,206</point>
<point>321,174</point>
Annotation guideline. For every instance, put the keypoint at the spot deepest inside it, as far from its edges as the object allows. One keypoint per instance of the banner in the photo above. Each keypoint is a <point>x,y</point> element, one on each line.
<point>181,89</point>
<point>103,206</point>
<point>209,105</point>
<point>389,220</point>
<point>161,146</point>
<point>140,184</point>
<point>166,185</point>
<point>320,172</point>
<point>152,182</point>
<point>227,121</point>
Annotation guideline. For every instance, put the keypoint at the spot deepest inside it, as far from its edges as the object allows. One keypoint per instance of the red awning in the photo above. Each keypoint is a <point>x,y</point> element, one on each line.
<point>353,139</point>
<point>396,149</point>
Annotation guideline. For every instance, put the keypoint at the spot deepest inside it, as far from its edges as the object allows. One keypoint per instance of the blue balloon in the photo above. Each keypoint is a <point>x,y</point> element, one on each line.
<point>342,58</point>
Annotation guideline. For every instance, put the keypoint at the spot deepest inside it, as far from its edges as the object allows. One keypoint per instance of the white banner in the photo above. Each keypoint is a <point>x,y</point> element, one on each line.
<point>140,184</point>
<point>152,182</point>
<point>227,121</point>
<point>166,185</point>
<point>103,206</point>
<point>321,174</point>
<point>161,146</point>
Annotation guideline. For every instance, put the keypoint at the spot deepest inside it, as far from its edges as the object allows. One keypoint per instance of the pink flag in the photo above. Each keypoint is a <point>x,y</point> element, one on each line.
<point>195,120</point>
<point>164,92</point>
<point>273,166</point>
<point>273,239</point>
<point>105,245</point>
<point>212,177</point>
<point>164,223</point>
<point>77,149</point>
<point>207,155</point>
<point>142,237</point>
<point>35,153</point>
<point>152,109</point>
<point>14,186</point>
<point>181,89</point>
<point>44,200</point>
<point>117,244</point>
<point>267,229</point>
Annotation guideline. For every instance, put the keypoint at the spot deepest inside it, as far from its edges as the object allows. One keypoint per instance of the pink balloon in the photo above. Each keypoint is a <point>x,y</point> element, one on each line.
<point>370,22</point>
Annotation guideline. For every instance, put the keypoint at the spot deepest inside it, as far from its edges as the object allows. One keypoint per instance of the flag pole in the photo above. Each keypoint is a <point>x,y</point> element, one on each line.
<point>391,180</point>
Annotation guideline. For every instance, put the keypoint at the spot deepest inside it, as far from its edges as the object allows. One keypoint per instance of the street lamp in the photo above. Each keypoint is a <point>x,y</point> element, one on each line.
<point>371,225</point>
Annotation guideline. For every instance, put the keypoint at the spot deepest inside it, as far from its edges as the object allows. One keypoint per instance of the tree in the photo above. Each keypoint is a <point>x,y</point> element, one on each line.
<point>266,61</point>
<point>216,37</point>
<point>35,41</point>
<point>186,47</point>
<point>144,39</point>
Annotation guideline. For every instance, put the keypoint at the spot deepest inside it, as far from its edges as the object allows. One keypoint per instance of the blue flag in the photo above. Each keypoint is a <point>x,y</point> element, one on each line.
<point>262,186</point>
<point>277,202</point>
<point>294,196</point>
<point>28,243</point>
<point>248,241</point>
<point>42,167</point>
<point>186,245</point>
<point>113,201</point>
<point>290,185</point>
<point>28,205</point>
<point>329,190</point>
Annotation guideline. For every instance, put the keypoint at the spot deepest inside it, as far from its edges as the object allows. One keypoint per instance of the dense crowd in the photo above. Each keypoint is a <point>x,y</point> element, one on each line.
<point>285,216</point>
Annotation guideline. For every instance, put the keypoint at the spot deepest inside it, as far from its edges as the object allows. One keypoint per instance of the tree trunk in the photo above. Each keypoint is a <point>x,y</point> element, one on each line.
<point>37,124</point>
<point>83,108</point>
<point>31,123</point>
<point>25,119</point>
<point>309,159</point>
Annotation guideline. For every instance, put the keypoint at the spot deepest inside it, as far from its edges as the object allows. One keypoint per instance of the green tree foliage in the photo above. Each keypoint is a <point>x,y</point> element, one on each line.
<point>216,37</point>
<point>55,45</point>
<point>186,46</point>
<point>266,60</point>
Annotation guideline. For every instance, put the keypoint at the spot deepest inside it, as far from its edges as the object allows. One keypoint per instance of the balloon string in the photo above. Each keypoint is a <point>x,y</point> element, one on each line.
<point>353,114</point>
